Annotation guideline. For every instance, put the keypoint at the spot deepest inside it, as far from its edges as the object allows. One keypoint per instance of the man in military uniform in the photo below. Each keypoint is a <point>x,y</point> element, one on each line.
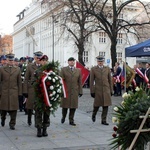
<point>72,78</point>
<point>42,118</point>
<point>3,60</point>
<point>28,89</point>
<point>10,89</point>
<point>101,89</point>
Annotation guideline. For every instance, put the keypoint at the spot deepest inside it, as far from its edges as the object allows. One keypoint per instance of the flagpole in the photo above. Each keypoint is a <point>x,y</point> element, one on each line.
<point>125,76</point>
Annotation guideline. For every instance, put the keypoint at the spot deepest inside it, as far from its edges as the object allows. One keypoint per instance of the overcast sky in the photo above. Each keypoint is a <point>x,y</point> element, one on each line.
<point>8,11</point>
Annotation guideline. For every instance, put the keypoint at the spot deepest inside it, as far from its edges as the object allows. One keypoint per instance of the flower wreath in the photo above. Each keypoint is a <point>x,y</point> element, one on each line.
<point>23,71</point>
<point>126,117</point>
<point>48,87</point>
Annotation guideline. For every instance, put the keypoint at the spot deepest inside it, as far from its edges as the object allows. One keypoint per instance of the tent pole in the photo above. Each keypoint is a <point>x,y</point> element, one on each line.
<point>125,76</point>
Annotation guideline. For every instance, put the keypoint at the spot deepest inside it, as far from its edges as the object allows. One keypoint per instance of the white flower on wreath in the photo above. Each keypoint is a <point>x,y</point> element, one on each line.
<point>54,92</point>
<point>22,73</point>
<point>126,95</point>
<point>114,119</point>
<point>58,90</point>
<point>56,78</point>
<point>49,78</point>
<point>24,70</point>
<point>51,87</point>
<point>53,80</point>
<point>137,89</point>
<point>116,109</point>
<point>53,73</point>
<point>51,108</point>
<point>122,103</point>
<point>51,95</point>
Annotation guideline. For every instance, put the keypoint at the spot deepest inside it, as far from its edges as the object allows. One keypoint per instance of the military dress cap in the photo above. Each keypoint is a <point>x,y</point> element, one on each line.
<point>71,59</point>
<point>44,57</point>
<point>30,59</point>
<point>3,57</point>
<point>10,56</point>
<point>100,58</point>
<point>38,54</point>
<point>16,59</point>
<point>23,59</point>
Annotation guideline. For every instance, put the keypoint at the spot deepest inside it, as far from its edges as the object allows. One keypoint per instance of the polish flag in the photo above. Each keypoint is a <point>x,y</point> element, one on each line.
<point>85,72</point>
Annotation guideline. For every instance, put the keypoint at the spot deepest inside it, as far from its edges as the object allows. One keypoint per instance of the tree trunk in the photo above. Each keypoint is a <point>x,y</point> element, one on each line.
<point>80,54</point>
<point>113,53</point>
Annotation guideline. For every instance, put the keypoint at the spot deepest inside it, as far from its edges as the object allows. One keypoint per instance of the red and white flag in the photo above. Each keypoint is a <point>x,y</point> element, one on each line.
<point>85,72</point>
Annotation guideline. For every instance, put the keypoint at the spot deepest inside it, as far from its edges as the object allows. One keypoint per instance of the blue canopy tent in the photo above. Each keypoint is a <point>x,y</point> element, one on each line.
<point>138,50</point>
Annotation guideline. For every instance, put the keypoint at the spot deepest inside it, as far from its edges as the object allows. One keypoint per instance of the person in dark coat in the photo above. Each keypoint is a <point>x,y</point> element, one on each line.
<point>101,89</point>
<point>72,78</point>
<point>117,75</point>
<point>28,89</point>
<point>139,79</point>
<point>10,89</point>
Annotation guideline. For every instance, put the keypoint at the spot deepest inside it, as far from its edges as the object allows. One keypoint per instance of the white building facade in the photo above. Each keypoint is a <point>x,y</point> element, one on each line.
<point>37,30</point>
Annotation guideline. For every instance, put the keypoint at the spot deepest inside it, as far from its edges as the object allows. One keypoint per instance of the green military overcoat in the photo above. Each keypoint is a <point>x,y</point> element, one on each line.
<point>73,82</point>
<point>101,85</point>
<point>10,87</point>
<point>28,85</point>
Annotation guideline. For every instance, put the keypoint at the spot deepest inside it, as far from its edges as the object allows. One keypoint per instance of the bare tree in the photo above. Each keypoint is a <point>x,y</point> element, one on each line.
<point>107,13</point>
<point>79,24</point>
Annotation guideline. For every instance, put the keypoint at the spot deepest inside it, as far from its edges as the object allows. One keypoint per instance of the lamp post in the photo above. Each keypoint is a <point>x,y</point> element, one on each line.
<point>53,36</point>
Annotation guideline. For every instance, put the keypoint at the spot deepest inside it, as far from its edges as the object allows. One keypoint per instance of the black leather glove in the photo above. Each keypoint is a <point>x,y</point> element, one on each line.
<point>25,95</point>
<point>80,95</point>
<point>111,93</point>
<point>93,95</point>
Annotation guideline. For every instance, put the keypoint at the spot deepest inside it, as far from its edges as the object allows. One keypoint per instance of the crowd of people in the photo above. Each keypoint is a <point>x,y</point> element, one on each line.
<point>17,90</point>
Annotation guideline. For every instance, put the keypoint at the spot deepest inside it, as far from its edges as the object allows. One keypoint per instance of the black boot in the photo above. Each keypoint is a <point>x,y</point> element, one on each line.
<point>45,132</point>
<point>29,120</point>
<point>39,133</point>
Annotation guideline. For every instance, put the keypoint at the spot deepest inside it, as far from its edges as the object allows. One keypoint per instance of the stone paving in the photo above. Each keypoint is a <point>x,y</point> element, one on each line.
<point>85,136</point>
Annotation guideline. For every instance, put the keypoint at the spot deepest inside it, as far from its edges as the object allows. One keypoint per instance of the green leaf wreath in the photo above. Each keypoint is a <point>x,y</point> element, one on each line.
<point>126,117</point>
<point>53,86</point>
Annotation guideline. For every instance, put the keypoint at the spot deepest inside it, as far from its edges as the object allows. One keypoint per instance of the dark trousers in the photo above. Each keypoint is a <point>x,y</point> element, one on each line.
<point>71,113</point>
<point>29,112</point>
<point>118,89</point>
<point>20,103</point>
<point>104,113</point>
<point>42,119</point>
<point>13,115</point>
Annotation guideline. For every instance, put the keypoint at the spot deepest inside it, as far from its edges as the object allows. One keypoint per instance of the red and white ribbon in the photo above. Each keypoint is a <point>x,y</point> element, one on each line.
<point>46,96</point>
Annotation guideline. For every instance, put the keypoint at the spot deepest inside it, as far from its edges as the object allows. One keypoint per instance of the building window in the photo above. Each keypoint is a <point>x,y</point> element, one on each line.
<point>120,38</point>
<point>102,37</point>
<point>119,57</point>
<point>85,56</point>
<point>102,54</point>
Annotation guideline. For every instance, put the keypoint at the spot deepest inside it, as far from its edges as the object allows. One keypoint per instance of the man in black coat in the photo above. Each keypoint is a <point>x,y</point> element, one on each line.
<point>117,75</point>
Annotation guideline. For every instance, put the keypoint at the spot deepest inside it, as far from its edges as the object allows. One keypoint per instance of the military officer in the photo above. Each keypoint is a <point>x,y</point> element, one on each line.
<point>42,118</point>
<point>28,89</point>
<point>72,78</point>
<point>101,89</point>
<point>10,89</point>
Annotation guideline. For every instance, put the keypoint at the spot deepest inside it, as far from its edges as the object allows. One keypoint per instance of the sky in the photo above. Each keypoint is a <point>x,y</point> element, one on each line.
<point>9,9</point>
